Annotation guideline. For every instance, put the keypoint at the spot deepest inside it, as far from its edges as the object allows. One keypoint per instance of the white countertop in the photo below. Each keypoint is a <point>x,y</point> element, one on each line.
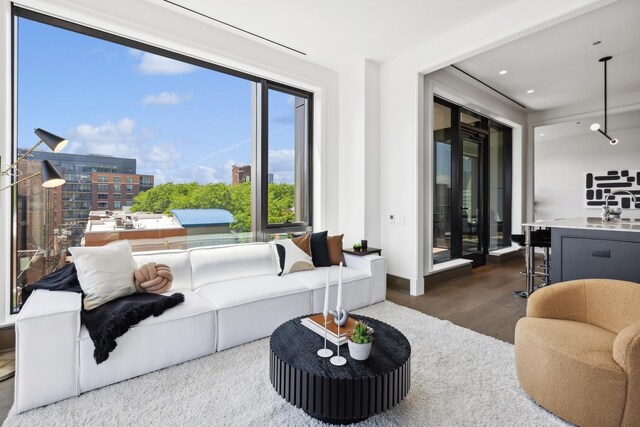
<point>590,223</point>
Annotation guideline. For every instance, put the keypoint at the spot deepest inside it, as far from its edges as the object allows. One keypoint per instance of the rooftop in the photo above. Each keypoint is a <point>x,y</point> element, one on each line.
<point>202,217</point>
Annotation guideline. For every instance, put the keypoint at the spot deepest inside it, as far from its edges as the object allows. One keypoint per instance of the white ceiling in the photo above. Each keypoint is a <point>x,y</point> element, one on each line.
<point>561,63</point>
<point>334,32</point>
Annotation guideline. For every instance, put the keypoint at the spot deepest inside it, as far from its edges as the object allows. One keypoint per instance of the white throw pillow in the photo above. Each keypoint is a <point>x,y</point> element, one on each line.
<point>295,258</point>
<point>105,273</point>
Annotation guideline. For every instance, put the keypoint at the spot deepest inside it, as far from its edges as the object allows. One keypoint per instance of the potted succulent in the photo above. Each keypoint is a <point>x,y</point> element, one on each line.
<point>357,247</point>
<point>360,340</point>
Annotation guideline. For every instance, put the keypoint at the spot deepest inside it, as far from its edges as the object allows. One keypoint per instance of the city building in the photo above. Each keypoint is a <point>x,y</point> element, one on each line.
<point>116,190</point>
<point>183,229</point>
<point>243,174</point>
<point>240,174</point>
<point>82,191</point>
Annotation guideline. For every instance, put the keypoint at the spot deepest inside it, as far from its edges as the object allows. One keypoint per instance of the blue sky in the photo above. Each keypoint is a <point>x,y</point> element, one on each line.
<point>182,123</point>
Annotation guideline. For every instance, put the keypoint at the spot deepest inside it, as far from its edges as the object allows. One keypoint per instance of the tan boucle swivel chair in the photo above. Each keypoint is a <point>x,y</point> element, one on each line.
<point>578,351</point>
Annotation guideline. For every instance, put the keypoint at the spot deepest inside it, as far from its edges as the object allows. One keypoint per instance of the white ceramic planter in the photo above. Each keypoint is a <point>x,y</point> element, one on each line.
<point>359,351</point>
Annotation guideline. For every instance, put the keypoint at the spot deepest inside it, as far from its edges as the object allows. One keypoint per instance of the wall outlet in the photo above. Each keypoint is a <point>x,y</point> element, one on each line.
<point>392,219</point>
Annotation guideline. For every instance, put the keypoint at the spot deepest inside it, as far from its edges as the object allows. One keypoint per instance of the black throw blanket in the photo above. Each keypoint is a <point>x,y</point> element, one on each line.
<point>111,320</point>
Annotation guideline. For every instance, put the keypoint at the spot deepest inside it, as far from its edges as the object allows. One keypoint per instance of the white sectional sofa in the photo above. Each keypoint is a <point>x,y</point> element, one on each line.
<point>233,295</point>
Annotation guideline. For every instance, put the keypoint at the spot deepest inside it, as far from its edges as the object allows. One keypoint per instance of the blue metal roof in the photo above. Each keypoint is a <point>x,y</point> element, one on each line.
<point>202,217</point>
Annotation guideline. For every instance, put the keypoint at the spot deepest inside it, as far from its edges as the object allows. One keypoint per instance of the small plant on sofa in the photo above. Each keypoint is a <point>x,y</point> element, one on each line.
<point>357,247</point>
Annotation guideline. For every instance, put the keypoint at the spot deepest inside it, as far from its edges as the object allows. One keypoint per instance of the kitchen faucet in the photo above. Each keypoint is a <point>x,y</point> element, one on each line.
<point>606,211</point>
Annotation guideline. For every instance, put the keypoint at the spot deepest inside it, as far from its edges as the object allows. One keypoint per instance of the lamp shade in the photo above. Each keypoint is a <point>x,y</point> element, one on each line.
<point>54,142</point>
<point>50,175</point>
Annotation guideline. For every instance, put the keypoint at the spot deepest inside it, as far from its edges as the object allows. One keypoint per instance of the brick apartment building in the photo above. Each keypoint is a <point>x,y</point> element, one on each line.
<point>115,190</point>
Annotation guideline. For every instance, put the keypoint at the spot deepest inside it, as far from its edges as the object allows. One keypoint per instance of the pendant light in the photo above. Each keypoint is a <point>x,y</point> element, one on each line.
<point>596,126</point>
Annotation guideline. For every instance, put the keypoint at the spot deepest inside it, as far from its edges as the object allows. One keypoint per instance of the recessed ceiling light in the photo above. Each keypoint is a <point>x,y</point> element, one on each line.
<point>596,43</point>
<point>542,134</point>
<point>503,72</point>
<point>530,91</point>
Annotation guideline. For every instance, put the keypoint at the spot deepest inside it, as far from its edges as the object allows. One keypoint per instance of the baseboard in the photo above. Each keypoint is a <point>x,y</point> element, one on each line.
<point>7,338</point>
<point>398,283</point>
<point>440,277</point>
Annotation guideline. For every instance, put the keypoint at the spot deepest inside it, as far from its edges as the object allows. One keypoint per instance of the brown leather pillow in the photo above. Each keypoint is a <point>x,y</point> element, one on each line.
<point>334,244</point>
<point>304,243</point>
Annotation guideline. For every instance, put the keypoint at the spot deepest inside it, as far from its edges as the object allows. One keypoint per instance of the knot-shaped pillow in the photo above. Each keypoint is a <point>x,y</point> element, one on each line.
<point>153,278</point>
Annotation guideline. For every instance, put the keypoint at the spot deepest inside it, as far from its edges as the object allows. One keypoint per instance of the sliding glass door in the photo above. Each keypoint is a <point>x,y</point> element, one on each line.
<point>471,184</point>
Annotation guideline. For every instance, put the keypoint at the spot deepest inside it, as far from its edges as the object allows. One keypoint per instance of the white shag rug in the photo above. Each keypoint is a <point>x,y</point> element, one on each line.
<point>458,378</point>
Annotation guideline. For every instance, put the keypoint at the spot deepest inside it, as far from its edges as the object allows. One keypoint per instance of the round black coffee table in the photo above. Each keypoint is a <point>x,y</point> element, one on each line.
<point>340,394</point>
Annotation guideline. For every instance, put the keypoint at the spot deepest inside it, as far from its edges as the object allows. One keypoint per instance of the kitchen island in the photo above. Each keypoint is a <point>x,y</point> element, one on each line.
<point>590,248</point>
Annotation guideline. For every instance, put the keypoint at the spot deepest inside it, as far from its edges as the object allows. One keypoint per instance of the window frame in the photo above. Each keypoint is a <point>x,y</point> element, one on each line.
<point>260,227</point>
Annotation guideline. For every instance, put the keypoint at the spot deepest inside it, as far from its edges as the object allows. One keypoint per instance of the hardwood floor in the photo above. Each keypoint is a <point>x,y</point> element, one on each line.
<point>482,302</point>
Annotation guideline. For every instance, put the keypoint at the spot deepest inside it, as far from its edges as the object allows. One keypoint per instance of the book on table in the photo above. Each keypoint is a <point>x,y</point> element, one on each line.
<point>316,324</point>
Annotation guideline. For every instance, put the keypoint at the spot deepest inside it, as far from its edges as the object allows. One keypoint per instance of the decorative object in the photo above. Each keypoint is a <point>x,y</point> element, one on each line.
<point>50,175</point>
<point>325,352</point>
<point>357,247</point>
<point>153,278</point>
<point>601,185</point>
<point>317,324</point>
<point>364,244</point>
<point>340,316</point>
<point>465,378</point>
<point>295,259</point>
<point>382,382</point>
<point>596,126</point>
<point>319,249</point>
<point>105,273</point>
<point>334,246</point>
<point>360,341</point>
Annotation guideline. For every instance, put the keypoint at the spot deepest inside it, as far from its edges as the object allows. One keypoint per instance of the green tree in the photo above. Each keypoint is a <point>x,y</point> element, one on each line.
<point>233,198</point>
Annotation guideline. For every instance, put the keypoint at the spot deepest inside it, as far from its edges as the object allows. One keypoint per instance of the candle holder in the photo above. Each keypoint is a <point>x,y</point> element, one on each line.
<point>338,360</point>
<point>340,317</point>
<point>325,352</point>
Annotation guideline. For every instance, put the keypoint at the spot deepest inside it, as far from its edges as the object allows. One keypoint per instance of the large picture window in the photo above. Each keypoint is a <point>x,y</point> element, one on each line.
<point>166,151</point>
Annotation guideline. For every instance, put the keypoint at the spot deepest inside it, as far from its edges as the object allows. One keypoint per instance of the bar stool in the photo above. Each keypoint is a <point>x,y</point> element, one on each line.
<point>538,239</point>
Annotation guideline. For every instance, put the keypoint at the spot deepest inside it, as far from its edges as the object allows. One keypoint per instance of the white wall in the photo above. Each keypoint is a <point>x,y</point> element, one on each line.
<point>560,166</point>
<point>452,85</point>
<point>402,118</point>
<point>154,24</point>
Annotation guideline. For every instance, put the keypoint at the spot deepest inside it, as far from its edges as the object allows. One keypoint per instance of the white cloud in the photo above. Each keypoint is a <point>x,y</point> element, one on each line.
<point>119,139</point>
<point>163,156</point>
<point>154,64</point>
<point>282,165</point>
<point>124,139</point>
<point>163,98</point>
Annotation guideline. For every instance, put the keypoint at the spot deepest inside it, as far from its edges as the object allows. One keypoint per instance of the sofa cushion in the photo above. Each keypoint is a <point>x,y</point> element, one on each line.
<point>177,260</point>
<point>334,247</point>
<point>182,333</point>
<point>356,287</point>
<point>319,249</point>
<point>245,290</point>
<point>295,259</point>
<point>223,263</point>
<point>105,273</point>
<point>253,307</point>
<point>568,368</point>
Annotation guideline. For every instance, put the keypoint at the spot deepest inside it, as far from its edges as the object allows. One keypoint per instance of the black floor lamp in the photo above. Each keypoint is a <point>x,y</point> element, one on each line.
<point>50,178</point>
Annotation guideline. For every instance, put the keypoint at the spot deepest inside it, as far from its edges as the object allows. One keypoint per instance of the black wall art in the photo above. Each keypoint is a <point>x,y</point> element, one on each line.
<point>599,185</point>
